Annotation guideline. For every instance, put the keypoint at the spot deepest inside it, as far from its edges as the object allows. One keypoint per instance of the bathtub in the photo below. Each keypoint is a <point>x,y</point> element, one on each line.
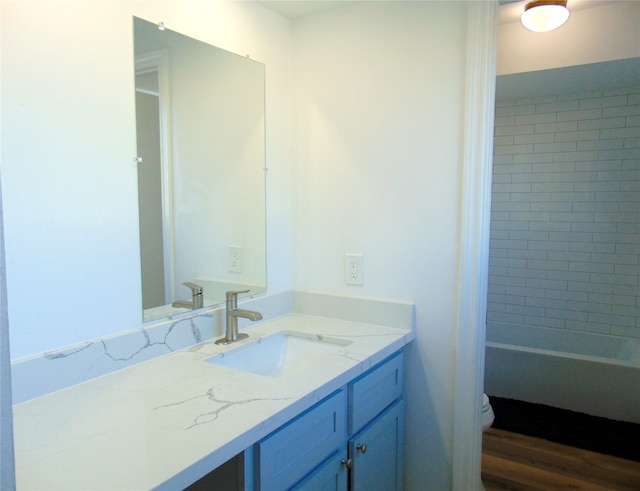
<point>590,373</point>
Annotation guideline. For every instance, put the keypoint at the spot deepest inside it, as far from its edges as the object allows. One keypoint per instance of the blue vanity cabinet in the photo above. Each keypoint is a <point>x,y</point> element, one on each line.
<point>374,391</point>
<point>376,453</point>
<point>332,475</point>
<point>352,440</point>
<point>376,425</point>
<point>295,450</point>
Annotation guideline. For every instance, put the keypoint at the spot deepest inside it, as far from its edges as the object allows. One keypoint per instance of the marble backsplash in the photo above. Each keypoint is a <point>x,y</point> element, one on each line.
<point>48,372</point>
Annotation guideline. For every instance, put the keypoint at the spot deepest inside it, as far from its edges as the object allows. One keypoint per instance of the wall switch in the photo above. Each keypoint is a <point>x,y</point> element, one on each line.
<point>353,269</point>
<point>235,259</point>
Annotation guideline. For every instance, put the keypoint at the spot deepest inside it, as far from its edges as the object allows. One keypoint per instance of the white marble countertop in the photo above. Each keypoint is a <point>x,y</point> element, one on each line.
<point>167,422</point>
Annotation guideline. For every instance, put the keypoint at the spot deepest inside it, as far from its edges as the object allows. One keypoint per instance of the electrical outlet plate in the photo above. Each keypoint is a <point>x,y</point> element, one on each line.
<point>353,269</point>
<point>235,259</point>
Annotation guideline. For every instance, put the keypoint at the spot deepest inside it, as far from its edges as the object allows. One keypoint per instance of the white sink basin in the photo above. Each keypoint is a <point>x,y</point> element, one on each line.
<point>282,353</point>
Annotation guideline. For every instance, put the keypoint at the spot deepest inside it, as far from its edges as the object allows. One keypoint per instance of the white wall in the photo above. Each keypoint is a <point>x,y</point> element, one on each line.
<point>70,198</point>
<point>608,31</point>
<point>377,135</point>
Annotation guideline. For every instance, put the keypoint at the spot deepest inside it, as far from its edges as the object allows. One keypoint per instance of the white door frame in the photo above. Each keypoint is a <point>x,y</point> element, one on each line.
<point>474,243</point>
<point>158,61</point>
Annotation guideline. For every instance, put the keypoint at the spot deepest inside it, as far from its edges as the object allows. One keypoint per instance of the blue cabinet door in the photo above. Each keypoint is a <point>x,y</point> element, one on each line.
<point>332,475</point>
<point>376,452</point>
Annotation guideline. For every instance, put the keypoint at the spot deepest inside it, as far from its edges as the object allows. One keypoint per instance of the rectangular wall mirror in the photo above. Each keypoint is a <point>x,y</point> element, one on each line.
<point>200,118</point>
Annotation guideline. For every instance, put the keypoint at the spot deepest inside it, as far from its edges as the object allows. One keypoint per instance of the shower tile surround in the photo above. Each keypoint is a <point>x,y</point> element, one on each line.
<point>565,224</point>
<point>63,437</point>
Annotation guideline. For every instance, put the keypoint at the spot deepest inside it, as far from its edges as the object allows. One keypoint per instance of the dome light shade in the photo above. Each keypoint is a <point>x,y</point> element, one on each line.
<point>544,15</point>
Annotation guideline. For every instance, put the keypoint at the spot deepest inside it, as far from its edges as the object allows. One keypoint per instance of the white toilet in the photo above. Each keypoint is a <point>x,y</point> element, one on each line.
<point>487,413</point>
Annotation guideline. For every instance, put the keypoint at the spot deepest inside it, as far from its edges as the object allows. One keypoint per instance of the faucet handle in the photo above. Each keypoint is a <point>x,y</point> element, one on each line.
<point>232,298</point>
<point>231,295</point>
<point>195,289</point>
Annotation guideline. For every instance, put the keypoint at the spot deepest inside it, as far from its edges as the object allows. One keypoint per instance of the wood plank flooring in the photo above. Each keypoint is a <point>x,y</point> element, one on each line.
<point>517,462</point>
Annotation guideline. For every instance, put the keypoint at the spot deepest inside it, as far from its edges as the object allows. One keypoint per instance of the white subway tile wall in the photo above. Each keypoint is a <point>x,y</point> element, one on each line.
<point>565,222</point>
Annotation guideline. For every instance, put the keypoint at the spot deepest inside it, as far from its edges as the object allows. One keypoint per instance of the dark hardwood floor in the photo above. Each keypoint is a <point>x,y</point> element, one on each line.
<point>517,462</point>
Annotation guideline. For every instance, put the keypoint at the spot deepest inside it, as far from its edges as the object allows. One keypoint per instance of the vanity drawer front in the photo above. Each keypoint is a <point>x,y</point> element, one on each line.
<point>374,391</point>
<point>287,455</point>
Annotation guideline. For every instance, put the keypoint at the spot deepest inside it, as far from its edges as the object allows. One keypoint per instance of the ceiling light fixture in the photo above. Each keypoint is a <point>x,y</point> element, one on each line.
<point>544,15</point>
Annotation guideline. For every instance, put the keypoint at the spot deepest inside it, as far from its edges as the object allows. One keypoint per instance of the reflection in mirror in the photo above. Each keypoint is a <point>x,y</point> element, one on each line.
<point>201,186</point>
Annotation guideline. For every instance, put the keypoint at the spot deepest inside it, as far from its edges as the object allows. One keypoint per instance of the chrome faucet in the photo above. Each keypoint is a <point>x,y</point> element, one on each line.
<point>196,296</point>
<point>232,314</point>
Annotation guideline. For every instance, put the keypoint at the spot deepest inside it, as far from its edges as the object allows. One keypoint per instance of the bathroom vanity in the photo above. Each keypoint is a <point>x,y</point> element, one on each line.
<point>353,437</point>
<point>330,419</point>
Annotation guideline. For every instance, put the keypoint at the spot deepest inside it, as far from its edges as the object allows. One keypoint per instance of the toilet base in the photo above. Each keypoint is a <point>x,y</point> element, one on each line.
<point>487,413</point>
